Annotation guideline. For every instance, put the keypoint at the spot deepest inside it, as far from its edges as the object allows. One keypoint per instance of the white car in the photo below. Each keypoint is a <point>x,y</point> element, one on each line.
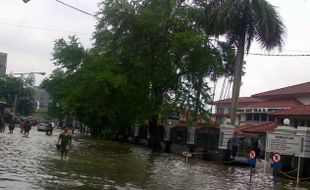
<point>42,126</point>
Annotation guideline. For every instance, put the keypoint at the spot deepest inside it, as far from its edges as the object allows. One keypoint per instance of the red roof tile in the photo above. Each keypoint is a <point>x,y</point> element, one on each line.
<point>240,100</point>
<point>303,88</point>
<point>302,111</point>
<point>286,103</point>
<point>252,130</point>
<point>261,128</point>
<point>238,131</point>
<point>242,127</point>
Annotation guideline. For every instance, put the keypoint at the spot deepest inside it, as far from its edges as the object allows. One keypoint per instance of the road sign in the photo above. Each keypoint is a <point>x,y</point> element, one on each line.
<point>286,144</point>
<point>276,157</point>
<point>253,155</point>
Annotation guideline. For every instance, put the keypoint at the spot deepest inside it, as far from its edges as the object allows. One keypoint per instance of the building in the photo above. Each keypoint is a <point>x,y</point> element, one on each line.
<point>41,97</point>
<point>3,62</point>
<point>291,102</point>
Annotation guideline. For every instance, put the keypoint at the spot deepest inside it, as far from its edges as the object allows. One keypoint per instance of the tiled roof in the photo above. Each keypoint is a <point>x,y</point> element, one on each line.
<point>242,127</point>
<point>238,131</point>
<point>302,110</point>
<point>250,129</point>
<point>262,128</point>
<point>240,100</point>
<point>285,103</point>
<point>303,88</point>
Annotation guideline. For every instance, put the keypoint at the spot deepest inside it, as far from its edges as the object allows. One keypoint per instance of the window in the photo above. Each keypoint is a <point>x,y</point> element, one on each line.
<point>220,110</point>
<point>271,118</point>
<point>302,123</point>
<point>249,117</point>
<point>256,117</point>
<point>263,117</point>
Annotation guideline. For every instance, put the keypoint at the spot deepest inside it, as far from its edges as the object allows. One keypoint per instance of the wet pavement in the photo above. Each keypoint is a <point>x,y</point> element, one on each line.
<point>34,163</point>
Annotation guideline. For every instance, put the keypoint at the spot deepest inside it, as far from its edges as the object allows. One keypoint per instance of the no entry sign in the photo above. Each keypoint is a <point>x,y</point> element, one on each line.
<point>253,155</point>
<point>276,157</point>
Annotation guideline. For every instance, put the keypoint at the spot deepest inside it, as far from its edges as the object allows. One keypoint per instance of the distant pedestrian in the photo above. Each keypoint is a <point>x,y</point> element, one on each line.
<point>229,149</point>
<point>11,126</point>
<point>2,125</point>
<point>22,126</point>
<point>235,145</point>
<point>27,128</point>
<point>64,142</point>
<point>257,147</point>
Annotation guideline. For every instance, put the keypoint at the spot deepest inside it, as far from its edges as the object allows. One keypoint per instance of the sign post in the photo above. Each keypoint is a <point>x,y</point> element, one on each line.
<point>276,159</point>
<point>252,162</point>
<point>285,144</point>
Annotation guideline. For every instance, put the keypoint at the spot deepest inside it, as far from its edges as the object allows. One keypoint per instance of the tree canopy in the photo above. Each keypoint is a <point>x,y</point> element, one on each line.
<point>17,95</point>
<point>149,57</point>
<point>242,21</point>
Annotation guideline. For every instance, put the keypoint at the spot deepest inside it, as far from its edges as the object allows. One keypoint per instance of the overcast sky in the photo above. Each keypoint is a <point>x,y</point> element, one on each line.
<point>29,48</point>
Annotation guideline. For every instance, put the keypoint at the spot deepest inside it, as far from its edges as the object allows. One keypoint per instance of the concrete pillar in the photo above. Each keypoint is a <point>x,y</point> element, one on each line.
<point>226,133</point>
<point>167,134</point>
<point>136,134</point>
<point>191,133</point>
<point>285,128</point>
<point>304,133</point>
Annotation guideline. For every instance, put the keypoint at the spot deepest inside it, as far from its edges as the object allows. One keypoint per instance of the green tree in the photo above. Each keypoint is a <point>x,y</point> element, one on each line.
<point>17,95</point>
<point>54,86</point>
<point>148,56</point>
<point>242,21</point>
<point>159,46</point>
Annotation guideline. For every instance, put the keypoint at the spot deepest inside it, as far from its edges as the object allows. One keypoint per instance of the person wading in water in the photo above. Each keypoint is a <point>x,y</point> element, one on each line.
<point>64,143</point>
<point>27,128</point>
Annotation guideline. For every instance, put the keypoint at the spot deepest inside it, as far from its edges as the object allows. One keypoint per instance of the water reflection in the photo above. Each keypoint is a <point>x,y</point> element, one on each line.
<point>34,163</point>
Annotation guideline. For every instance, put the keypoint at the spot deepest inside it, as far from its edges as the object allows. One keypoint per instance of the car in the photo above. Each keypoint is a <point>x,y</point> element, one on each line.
<point>42,126</point>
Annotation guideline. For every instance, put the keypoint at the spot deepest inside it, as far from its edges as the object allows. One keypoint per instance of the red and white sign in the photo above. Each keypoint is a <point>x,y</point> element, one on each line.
<point>276,157</point>
<point>253,155</point>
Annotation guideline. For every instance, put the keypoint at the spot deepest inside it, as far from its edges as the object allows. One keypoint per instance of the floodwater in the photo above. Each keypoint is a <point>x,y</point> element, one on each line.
<point>34,163</point>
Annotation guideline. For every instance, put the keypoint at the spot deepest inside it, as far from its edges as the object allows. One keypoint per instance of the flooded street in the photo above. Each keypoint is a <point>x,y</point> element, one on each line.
<point>34,163</point>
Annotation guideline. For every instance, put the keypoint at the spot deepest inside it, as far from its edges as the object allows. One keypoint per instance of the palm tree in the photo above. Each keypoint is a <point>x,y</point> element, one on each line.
<point>242,21</point>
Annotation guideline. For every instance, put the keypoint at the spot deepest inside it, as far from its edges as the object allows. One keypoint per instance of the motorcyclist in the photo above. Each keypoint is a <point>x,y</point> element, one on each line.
<point>49,130</point>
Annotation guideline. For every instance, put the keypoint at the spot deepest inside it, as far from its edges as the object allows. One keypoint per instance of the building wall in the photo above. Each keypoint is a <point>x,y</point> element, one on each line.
<point>304,100</point>
<point>42,97</point>
<point>3,61</point>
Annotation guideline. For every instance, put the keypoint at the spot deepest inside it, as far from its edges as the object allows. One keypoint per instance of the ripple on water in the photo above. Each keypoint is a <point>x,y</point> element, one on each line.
<point>34,163</point>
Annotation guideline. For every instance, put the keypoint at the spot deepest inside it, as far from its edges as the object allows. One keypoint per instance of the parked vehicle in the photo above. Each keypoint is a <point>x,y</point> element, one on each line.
<point>43,125</point>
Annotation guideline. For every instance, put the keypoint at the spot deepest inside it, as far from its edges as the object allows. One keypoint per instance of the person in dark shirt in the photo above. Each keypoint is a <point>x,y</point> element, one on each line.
<point>12,125</point>
<point>64,142</point>
<point>27,128</point>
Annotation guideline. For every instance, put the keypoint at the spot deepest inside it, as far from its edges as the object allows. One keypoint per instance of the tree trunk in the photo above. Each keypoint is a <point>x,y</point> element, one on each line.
<point>197,100</point>
<point>154,134</point>
<point>237,81</point>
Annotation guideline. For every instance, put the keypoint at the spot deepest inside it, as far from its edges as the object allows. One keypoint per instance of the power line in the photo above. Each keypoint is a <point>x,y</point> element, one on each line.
<point>41,28</point>
<point>72,7</point>
<point>281,55</point>
<point>286,50</point>
<point>80,10</point>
